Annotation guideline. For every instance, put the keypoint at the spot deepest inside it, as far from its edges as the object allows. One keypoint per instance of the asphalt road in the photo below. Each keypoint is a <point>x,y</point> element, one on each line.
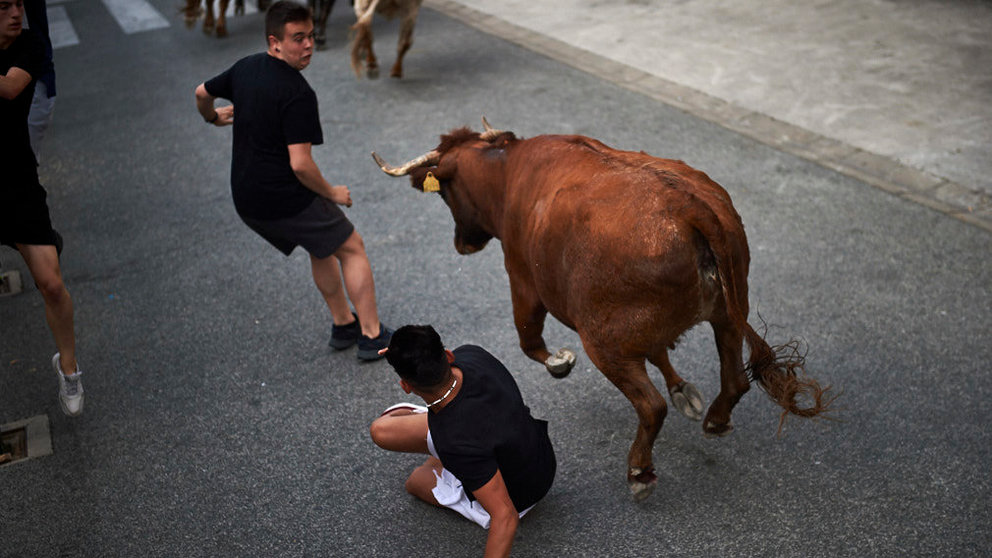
<point>218,423</point>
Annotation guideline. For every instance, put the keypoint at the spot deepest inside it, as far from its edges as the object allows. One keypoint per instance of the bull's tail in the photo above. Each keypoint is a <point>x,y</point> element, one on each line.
<point>779,371</point>
<point>361,36</point>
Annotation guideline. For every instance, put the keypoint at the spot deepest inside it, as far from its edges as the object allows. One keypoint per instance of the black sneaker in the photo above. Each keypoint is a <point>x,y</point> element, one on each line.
<point>345,336</point>
<point>368,348</point>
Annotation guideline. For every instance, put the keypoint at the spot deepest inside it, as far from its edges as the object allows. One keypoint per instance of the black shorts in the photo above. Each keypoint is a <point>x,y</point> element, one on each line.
<point>320,229</point>
<point>24,217</point>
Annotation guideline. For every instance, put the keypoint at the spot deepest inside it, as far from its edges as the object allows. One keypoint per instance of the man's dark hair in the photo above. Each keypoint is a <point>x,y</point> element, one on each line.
<point>417,355</point>
<point>281,13</point>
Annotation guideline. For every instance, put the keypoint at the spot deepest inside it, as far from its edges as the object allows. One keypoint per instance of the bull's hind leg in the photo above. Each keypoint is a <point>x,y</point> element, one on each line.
<point>208,17</point>
<point>685,397</point>
<point>404,44</point>
<point>320,25</point>
<point>631,377</point>
<point>371,63</point>
<point>528,316</point>
<point>733,381</point>
<point>222,18</point>
<point>191,12</point>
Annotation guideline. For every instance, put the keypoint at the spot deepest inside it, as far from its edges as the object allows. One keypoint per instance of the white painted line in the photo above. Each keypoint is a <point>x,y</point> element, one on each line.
<point>60,29</point>
<point>135,16</point>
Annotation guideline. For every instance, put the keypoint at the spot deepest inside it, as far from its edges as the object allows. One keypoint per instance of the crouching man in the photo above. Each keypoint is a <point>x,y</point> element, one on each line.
<point>490,460</point>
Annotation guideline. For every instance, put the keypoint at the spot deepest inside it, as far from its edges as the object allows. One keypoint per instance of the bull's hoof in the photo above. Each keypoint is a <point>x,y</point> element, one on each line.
<point>560,363</point>
<point>208,28</point>
<point>641,482</point>
<point>372,72</point>
<point>221,32</point>
<point>711,430</point>
<point>687,400</point>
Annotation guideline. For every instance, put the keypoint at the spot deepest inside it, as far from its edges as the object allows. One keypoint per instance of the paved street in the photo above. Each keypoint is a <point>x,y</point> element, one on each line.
<point>218,422</point>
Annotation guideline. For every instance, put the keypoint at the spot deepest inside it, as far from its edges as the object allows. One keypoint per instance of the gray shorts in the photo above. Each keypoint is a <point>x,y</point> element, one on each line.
<point>320,229</point>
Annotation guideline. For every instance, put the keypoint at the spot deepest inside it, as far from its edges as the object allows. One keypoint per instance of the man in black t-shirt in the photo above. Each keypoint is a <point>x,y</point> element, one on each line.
<point>278,190</point>
<point>25,223</point>
<point>491,461</point>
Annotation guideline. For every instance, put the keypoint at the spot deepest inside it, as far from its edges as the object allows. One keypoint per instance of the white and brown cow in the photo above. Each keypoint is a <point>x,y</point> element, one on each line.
<point>362,56</point>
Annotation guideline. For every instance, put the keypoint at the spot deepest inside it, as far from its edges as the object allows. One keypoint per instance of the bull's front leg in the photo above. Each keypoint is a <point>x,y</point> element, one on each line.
<point>528,316</point>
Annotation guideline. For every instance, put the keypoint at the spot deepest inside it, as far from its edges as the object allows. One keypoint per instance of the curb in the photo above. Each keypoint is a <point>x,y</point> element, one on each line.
<point>950,198</point>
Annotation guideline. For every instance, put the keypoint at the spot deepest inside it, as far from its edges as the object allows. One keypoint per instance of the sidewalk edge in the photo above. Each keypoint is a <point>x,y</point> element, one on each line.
<point>955,200</point>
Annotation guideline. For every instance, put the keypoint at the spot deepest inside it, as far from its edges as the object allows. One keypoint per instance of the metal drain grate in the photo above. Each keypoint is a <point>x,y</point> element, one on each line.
<point>25,439</point>
<point>13,445</point>
<point>10,282</point>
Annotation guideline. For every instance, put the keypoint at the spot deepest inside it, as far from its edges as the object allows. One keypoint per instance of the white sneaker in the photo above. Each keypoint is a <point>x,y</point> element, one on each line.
<point>70,389</point>
<point>415,409</point>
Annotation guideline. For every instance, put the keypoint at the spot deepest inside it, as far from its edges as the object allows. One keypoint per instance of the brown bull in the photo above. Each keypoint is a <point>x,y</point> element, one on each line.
<point>628,250</point>
<point>361,44</point>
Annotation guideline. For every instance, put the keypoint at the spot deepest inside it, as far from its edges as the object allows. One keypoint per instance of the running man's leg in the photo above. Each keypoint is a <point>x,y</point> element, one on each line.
<point>327,277</point>
<point>43,263</point>
<point>357,272</point>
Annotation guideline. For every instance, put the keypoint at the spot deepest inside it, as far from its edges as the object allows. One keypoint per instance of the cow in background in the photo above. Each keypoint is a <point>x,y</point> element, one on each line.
<point>321,10</point>
<point>628,250</point>
<point>361,45</point>
<point>192,11</point>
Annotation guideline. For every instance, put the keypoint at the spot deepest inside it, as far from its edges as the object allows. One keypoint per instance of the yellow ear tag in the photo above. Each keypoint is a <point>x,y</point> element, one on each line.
<point>431,184</point>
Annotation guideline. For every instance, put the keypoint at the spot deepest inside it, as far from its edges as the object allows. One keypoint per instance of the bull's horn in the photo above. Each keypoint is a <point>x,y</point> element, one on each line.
<point>490,133</point>
<point>429,158</point>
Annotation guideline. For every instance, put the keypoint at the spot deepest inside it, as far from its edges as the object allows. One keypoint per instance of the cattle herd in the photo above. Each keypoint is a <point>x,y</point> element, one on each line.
<point>628,250</point>
<point>363,59</point>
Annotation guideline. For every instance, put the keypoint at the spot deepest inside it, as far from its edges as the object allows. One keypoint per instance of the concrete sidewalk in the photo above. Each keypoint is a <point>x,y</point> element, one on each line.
<point>898,95</point>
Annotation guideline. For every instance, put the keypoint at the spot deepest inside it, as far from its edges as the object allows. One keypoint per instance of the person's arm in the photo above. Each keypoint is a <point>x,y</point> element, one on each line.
<point>223,116</point>
<point>306,170</point>
<point>503,517</point>
<point>13,83</point>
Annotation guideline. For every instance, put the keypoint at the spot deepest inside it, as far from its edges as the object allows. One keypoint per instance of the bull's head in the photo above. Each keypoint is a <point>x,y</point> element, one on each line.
<point>467,168</point>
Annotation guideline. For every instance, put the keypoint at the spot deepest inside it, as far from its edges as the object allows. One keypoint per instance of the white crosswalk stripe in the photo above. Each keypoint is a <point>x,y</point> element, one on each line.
<point>60,29</point>
<point>135,16</point>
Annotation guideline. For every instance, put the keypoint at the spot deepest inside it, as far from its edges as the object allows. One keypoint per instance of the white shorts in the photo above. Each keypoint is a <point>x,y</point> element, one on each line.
<point>449,493</point>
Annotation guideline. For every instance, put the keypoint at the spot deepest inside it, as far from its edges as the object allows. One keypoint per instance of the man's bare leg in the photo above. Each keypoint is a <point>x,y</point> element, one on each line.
<point>358,281</point>
<point>43,263</point>
<point>327,277</point>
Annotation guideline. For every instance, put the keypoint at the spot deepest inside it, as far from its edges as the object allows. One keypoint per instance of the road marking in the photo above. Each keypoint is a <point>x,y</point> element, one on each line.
<point>135,16</point>
<point>60,29</point>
